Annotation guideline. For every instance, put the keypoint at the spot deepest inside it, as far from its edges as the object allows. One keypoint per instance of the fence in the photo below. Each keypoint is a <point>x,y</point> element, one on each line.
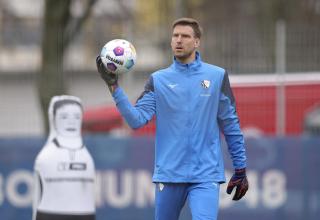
<point>241,48</point>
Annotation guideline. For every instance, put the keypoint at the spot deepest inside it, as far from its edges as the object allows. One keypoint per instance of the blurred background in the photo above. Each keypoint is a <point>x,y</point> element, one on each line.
<point>271,50</point>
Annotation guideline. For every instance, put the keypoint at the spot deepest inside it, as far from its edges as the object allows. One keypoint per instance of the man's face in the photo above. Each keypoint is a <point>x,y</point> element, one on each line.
<point>184,43</point>
<point>68,120</point>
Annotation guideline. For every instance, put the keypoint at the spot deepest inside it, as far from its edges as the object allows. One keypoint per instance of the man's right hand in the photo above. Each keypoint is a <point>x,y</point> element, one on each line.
<point>110,78</point>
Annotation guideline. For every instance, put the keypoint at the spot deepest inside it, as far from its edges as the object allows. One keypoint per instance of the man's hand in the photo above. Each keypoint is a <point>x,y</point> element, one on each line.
<point>238,180</point>
<point>110,78</point>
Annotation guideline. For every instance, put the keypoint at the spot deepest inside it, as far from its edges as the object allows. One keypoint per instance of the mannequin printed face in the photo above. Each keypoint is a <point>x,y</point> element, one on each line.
<point>68,120</point>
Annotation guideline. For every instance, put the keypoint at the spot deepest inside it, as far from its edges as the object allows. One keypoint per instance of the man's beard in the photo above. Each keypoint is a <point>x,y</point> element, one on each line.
<point>183,56</point>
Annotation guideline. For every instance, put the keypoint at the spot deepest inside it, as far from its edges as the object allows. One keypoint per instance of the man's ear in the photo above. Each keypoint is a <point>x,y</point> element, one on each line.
<point>197,43</point>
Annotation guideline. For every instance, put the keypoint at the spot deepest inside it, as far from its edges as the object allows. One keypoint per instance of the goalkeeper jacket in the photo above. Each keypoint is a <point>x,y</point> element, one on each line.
<point>193,104</point>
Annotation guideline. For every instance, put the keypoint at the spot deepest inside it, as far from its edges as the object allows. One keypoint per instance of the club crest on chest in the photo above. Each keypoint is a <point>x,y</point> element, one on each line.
<point>205,84</point>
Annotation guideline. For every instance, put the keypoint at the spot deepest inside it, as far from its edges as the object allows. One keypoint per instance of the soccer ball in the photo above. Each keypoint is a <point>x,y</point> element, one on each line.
<point>118,56</point>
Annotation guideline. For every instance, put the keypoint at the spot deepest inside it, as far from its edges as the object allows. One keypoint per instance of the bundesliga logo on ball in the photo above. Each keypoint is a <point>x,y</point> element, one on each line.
<point>118,56</point>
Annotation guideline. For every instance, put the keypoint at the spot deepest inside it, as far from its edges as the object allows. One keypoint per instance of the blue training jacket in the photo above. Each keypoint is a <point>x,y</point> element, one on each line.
<point>193,103</point>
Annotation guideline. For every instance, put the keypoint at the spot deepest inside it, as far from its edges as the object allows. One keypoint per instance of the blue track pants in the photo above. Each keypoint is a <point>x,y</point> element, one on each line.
<point>203,200</point>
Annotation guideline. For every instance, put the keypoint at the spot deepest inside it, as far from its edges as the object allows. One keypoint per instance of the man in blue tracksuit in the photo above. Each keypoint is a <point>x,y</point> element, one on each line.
<point>193,103</point>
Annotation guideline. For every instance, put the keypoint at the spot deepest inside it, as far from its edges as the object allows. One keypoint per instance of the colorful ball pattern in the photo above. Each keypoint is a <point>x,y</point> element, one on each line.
<point>119,56</point>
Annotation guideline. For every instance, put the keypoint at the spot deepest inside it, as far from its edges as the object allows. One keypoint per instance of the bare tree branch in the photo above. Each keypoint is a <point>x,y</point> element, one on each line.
<point>74,25</point>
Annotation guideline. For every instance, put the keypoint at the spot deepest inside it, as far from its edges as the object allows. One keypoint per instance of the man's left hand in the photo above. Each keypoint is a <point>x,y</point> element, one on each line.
<point>238,180</point>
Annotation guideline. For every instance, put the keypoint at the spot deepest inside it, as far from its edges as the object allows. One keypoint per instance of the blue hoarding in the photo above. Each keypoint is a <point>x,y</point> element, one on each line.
<point>282,172</point>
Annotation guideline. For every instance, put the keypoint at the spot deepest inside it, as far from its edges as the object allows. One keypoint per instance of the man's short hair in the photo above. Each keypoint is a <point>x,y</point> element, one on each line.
<point>193,23</point>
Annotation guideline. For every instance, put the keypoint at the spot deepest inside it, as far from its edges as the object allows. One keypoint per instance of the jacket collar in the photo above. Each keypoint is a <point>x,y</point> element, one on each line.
<point>195,64</point>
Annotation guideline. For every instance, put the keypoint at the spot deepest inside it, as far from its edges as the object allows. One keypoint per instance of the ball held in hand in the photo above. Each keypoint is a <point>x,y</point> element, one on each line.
<point>118,56</point>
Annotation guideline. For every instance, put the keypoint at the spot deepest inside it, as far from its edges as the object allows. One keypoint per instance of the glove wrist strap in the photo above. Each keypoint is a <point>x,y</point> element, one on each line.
<point>112,88</point>
<point>240,172</point>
